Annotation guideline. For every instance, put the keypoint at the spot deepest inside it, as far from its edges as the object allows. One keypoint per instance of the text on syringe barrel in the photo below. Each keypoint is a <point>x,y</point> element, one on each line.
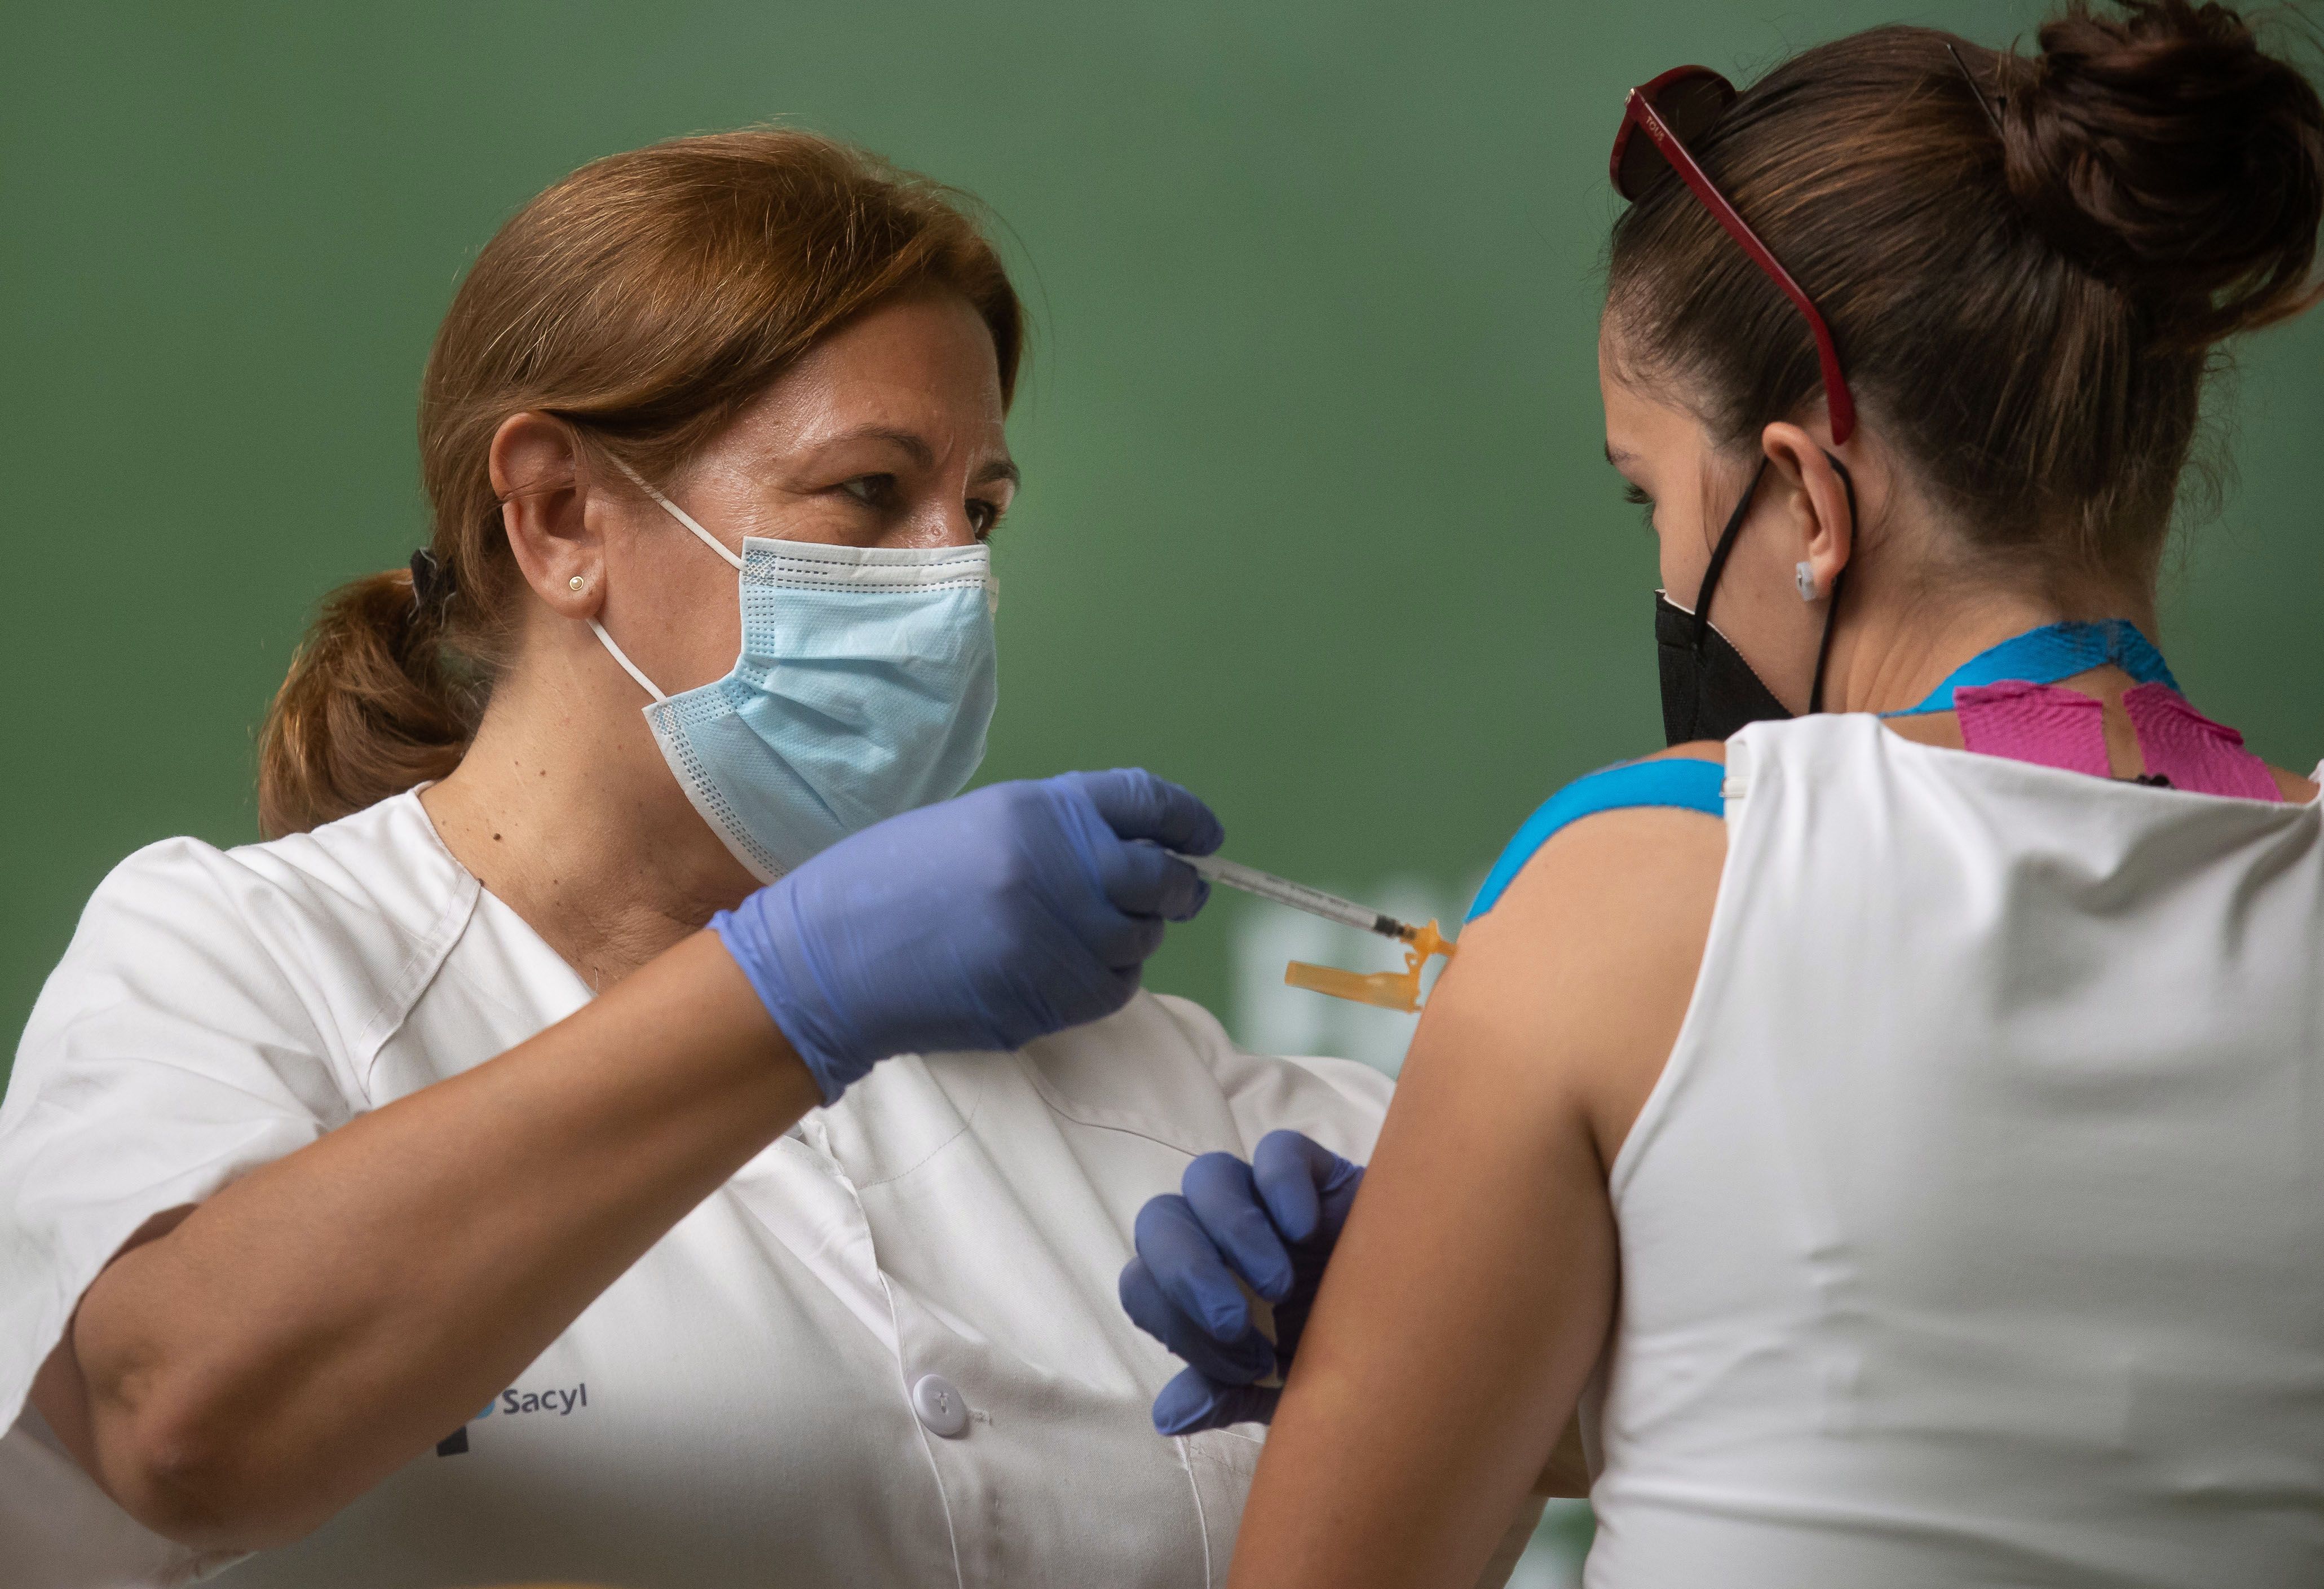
<point>1298,896</point>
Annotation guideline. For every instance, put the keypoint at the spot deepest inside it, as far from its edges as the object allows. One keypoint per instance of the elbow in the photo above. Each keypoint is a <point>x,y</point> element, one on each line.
<point>198,1480</point>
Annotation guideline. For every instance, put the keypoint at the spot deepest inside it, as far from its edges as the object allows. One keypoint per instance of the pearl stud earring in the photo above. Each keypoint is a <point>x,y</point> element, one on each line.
<point>1804,577</point>
<point>578,583</point>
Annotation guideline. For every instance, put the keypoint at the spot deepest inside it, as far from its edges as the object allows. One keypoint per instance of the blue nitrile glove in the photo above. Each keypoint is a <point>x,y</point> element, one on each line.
<point>1275,1221</point>
<point>981,922</point>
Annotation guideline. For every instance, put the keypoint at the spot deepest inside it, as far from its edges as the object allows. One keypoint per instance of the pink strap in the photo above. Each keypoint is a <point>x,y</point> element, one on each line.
<point>2045,723</point>
<point>2193,751</point>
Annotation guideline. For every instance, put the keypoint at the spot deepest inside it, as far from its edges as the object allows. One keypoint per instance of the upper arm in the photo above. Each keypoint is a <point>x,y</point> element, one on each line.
<point>1473,1290</point>
<point>1579,980</point>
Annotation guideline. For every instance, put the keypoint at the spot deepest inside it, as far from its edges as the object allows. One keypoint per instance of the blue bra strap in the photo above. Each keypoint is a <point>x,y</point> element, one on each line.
<point>2052,652</point>
<point>1684,783</point>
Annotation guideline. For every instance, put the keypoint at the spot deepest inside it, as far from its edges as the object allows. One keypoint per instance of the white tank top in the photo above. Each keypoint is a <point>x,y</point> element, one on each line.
<point>1974,1233</point>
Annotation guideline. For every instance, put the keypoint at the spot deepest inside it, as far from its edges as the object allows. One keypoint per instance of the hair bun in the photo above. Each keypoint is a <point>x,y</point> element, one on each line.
<point>2164,151</point>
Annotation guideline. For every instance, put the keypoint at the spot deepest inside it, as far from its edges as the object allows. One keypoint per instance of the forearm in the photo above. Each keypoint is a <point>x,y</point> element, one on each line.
<point>324,1319</point>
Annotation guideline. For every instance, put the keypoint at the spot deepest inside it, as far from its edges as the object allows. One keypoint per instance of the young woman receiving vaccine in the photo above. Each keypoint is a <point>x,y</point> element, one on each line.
<point>1892,1117</point>
<point>424,1197</point>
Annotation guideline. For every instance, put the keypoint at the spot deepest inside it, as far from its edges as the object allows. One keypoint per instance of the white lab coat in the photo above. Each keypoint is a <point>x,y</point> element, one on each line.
<point>738,1408</point>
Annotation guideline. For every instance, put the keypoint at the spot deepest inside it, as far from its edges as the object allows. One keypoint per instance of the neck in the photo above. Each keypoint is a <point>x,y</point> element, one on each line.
<point>564,809</point>
<point>1887,661</point>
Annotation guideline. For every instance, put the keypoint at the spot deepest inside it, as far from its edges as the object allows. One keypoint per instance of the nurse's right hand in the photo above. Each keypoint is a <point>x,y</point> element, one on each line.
<point>981,922</point>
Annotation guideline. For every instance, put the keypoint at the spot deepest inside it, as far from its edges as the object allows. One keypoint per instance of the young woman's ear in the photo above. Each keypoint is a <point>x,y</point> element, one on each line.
<point>1816,503</point>
<point>538,473</point>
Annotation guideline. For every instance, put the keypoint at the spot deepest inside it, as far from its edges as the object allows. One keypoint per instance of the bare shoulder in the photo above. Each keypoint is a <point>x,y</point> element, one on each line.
<point>1575,984</point>
<point>1617,895</point>
<point>1618,869</point>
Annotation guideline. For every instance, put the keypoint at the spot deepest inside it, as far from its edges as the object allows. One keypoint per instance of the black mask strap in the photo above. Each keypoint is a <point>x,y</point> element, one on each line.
<point>1719,551</point>
<point>1831,613</point>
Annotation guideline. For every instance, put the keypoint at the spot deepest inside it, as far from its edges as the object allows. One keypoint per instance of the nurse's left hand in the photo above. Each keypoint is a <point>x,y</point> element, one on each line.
<point>1273,1222</point>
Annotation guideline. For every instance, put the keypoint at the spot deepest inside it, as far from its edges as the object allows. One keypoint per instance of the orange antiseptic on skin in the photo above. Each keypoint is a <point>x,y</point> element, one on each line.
<point>1390,989</point>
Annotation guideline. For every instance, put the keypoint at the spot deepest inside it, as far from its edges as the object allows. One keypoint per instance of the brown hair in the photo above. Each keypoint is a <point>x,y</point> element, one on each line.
<point>2024,311</point>
<point>646,299</point>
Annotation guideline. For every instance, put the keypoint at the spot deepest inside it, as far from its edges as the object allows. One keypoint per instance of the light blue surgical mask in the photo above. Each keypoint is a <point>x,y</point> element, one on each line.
<point>866,682</point>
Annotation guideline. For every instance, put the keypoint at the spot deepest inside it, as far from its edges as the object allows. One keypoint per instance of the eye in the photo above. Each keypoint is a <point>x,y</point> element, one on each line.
<point>1636,497</point>
<point>984,517</point>
<point>871,490</point>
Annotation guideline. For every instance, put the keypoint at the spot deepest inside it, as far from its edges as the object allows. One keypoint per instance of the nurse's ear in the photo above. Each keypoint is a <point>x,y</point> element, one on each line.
<point>541,475</point>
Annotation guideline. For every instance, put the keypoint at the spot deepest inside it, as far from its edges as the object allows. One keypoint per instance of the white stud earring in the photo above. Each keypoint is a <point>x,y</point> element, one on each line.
<point>1804,577</point>
<point>578,583</point>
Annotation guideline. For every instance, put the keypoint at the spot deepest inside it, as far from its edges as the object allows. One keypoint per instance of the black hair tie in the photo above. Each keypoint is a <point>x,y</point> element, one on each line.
<point>432,582</point>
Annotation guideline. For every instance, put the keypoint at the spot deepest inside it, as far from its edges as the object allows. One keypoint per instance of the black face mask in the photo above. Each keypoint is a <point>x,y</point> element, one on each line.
<point>1708,690</point>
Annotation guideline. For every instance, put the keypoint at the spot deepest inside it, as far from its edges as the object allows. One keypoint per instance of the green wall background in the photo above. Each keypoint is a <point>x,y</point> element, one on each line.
<point>1315,519</point>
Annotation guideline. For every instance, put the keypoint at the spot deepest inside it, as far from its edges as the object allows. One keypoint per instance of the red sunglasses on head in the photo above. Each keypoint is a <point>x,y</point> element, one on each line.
<point>1681,103</point>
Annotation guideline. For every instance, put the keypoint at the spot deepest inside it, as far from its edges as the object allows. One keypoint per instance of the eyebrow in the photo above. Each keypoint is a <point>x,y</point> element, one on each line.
<point>1617,458</point>
<point>1002,468</point>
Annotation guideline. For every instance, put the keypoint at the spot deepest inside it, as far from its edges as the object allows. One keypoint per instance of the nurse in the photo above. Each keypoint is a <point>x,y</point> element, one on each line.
<point>424,1197</point>
<point>1896,1127</point>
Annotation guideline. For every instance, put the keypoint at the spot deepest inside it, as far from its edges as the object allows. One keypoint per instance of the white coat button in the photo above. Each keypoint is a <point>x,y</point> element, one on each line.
<point>937,1402</point>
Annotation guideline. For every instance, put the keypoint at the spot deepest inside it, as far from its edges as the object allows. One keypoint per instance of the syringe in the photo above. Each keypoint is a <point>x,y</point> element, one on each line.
<point>1251,879</point>
<point>1390,989</point>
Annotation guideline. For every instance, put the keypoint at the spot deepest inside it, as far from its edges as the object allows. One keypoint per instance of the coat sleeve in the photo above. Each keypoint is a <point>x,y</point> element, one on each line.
<point>170,1052</point>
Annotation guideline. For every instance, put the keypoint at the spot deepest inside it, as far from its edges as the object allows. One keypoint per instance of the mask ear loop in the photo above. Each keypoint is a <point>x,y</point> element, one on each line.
<point>1718,555</point>
<point>1831,613</point>
<point>708,539</point>
<point>622,657</point>
<point>680,514</point>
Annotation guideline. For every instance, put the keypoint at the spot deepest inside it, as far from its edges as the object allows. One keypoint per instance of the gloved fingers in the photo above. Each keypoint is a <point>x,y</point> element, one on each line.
<point>1190,1403</point>
<point>1237,1364</point>
<point>1289,1168</point>
<point>1191,1274</point>
<point>1124,943</point>
<point>1141,878</point>
<point>1219,1189</point>
<point>1137,804</point>
<point>1201,897</point>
